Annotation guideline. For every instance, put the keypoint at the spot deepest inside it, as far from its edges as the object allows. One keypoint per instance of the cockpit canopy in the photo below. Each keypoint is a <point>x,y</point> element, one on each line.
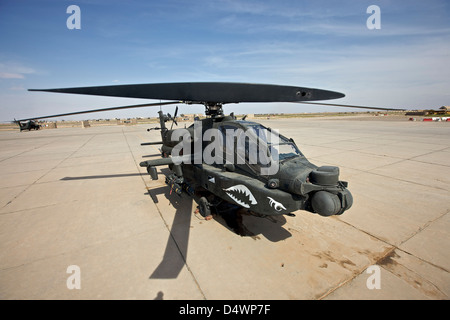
<point>253,146</point>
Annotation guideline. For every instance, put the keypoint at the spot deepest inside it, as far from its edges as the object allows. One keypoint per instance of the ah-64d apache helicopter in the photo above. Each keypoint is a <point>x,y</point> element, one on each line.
<point>233,178</point>
<point>27,125</point>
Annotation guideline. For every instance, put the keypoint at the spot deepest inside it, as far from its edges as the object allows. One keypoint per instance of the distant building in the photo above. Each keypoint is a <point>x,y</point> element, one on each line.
<point>417,113</point>
<point>188,117</point>
<point>441,110</point>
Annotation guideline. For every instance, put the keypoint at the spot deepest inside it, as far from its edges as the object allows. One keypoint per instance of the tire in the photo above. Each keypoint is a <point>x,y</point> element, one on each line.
<point>204,207</point>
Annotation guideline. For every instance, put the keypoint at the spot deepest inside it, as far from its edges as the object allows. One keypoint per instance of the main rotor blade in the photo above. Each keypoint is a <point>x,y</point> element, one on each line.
<point>207,92</point>
<point>351,106</point>
<point>102,110</point>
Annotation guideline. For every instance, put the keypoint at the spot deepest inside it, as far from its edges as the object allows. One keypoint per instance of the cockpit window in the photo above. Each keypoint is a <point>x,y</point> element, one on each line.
<point>257,148</point>
<point>279,146</point>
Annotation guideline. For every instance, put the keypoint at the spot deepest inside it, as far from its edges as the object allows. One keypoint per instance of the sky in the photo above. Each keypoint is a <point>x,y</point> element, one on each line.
<point>322,44</point>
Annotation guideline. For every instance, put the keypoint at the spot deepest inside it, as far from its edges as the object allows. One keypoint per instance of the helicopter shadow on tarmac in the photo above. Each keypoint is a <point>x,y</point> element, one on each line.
<point>175,254</point>
<point>233,218</point>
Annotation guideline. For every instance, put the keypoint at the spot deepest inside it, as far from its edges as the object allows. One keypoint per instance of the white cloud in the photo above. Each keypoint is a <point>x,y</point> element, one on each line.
<point>9,75</point>
<point>14,70</point>
<point>17,88</point>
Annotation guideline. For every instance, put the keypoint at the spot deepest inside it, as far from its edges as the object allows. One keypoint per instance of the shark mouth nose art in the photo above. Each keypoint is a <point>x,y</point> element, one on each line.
<point>241,195</point>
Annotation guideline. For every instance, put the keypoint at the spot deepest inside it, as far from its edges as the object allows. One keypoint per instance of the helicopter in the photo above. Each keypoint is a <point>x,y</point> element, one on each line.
<point>27,125</point>
<point>222,161</point>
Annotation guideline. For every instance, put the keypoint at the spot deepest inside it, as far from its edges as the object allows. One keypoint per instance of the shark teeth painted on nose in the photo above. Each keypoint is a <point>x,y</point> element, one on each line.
<point>241,195</point>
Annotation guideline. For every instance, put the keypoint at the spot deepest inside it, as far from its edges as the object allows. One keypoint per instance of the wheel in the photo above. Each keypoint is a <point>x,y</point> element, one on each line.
<point>204,208</point>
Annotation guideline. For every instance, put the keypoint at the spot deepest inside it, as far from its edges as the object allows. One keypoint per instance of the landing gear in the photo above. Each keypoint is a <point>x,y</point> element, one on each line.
<point>204,208</point>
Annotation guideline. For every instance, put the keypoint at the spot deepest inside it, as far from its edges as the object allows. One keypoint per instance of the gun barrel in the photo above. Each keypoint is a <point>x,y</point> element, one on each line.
<point>156,162</point>
<point>151,143</point>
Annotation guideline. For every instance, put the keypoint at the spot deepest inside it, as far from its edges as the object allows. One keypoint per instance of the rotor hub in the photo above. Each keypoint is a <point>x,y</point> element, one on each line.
<point>213,109</point>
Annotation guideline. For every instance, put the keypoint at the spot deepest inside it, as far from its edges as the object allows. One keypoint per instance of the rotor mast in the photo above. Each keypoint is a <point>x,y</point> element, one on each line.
<point>213,109</point>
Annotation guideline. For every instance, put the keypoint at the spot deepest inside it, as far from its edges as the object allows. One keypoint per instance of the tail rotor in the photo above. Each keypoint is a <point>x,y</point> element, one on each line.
<point>174,118</point>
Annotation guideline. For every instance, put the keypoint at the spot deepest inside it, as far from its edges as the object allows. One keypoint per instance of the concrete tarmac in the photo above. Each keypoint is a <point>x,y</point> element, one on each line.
<point>77,197</point>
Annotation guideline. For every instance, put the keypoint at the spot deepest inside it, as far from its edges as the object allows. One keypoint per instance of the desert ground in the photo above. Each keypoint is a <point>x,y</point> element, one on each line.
<point>78,197</point>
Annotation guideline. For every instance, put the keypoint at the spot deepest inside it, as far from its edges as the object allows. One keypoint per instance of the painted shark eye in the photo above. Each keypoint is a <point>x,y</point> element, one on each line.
<point>275,204</point>
<point>278,207</point>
